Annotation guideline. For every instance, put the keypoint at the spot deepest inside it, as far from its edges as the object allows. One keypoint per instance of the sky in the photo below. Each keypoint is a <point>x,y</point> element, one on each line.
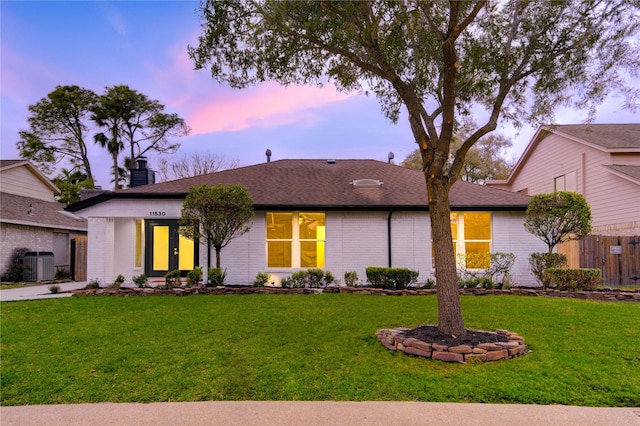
<point>143,44</point>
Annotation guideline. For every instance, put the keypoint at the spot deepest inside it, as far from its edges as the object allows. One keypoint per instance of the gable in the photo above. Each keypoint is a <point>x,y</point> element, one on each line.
<point>22,178</point>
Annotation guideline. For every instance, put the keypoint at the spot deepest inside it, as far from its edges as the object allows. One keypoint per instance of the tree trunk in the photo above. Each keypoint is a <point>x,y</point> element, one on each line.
<point>449,309</point>
<point>218,257</point>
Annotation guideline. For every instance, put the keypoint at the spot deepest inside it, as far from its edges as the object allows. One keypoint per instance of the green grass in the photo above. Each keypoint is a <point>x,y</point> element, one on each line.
<point>309,347</point>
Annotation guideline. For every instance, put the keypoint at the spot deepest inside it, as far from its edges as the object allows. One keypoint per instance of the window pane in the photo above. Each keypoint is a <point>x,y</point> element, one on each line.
<point>309,224</point>
<point>477,226</point>
<point>161,248</point>
<point>312,254</point>
<point>477,255</point>
<point>279,226</point>
<point>138,249</point>
<point>186,253</point>
<point>279,254</point>
<point>454,226</point>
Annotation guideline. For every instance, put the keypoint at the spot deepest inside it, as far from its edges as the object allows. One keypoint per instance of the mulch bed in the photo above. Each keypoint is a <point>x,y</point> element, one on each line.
<point>430,334</point>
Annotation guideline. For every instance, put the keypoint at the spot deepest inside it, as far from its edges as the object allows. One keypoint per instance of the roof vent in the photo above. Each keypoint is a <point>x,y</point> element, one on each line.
<point>331,161</point>
<point>366,183</point>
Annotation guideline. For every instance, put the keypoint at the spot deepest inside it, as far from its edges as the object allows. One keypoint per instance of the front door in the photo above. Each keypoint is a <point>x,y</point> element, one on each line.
<point>167,250</point>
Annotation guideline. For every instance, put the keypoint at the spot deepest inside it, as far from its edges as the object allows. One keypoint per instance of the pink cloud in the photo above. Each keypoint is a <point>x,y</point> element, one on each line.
<point>267,106</point>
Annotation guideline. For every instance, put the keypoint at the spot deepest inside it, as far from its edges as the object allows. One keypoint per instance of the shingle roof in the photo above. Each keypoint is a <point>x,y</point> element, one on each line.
<point>15,209</point>
<point>632,172</point>
<point>9,163</point>
<point>323,185</point>
<point>609,136</point>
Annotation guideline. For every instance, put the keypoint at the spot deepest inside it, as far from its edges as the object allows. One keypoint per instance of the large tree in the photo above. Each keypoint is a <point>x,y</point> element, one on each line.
<point>439,60</point>
<point>58,127</point>
<point>135,123</point>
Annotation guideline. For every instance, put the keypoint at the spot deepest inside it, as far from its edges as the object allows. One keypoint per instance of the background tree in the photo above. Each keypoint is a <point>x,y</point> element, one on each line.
<point>484,161</point>
<point>58,127</point>
<point>516,60</point>
<point>217,214</point>
<point>558,217</point>
<point>195,164</point>
<point>135,123</point>
<point>71,185</point>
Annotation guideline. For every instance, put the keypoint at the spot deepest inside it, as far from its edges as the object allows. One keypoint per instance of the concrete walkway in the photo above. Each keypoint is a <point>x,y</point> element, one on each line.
<point>39,291</point>
<point>315,413</point>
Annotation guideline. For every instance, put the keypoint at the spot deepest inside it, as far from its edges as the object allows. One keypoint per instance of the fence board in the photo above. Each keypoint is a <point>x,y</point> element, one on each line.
<point>617,257</point>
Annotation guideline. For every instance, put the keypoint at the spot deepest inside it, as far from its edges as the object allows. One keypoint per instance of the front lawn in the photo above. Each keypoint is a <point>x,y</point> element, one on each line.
<point>309,347</point>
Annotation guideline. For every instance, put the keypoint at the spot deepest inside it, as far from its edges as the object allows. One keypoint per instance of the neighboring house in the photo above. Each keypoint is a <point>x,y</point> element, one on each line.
<point>599,161</point>
<point>338,215</point>
<point>31,218</point>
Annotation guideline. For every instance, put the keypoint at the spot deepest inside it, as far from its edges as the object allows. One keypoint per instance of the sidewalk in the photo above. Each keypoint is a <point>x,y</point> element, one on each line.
<point>315,413</point>
<point>39,291</point>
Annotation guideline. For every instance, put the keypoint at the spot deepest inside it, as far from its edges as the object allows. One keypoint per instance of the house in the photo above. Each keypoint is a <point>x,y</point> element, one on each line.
<point>339,215</point>
<point>31,219</point>
<point>599,161</point>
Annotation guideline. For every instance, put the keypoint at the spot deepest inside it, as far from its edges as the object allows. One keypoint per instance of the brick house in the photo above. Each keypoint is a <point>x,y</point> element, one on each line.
<point>339,215</point>
<point>31,218</point>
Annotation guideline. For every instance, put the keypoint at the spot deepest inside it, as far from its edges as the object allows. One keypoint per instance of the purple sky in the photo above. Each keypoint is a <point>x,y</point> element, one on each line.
<point>143,45</point>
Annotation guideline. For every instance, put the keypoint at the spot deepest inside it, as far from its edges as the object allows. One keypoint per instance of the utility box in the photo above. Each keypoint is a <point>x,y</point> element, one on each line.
<point>39,266</point>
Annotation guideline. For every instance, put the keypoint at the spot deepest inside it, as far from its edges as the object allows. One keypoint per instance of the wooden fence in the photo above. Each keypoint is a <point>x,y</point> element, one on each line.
<point>79,253</point>
<point>617,257</point>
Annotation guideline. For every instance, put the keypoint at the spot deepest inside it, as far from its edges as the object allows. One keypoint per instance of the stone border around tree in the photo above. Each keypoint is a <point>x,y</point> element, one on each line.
<point>395,340</point>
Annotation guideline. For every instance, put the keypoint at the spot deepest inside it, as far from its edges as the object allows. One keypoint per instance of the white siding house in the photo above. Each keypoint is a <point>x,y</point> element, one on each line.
<point>342,215</point>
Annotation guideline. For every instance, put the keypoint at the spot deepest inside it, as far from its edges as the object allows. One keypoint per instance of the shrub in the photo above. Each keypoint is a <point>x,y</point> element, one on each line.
<point>391,278</point>
<point>140,280</point>
<point>430,283</point>
<point>540,262</point>
<point>485,265</point>
<point>477,282</point>
<point>216,276</point>
<point>261,279</point>
<point>118,281</point>
<point>574,279</point>
<point>351,278</point>
<point>95,283</point>
<point>194,276</point>
<point>62,274</point>
<point>54,288</point>
<point>15,272</point>
<point>172,279</point>
<point>312,278</point>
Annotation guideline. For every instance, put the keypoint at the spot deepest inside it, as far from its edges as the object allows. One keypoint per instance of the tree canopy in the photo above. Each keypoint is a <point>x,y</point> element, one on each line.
<point>484,161</point>
<point>193,165</point>
<point>558,217</point>
<point>441,61</point>
<point>61,124</point>
<point>216,213</point>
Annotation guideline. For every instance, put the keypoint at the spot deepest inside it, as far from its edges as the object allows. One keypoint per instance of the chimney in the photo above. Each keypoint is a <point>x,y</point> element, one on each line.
<point>141,175</point>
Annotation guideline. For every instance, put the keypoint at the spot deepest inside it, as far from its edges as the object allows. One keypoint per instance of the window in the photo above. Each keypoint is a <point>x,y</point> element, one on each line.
<point>566,182</point>
<point>295,240</point>
<point>138,249</point>
<point>471,234</point>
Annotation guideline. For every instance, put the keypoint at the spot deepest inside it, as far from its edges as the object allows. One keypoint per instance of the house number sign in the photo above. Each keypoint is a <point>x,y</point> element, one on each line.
<point>615,249</point>
<point>157,214</point>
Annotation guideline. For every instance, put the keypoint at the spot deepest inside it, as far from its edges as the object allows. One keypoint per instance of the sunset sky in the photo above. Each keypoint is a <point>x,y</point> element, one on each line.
<point>143,44</point>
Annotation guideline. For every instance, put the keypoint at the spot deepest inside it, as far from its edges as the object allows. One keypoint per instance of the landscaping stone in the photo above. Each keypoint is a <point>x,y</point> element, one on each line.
<point>394,339</point>
<point>448,357</point>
